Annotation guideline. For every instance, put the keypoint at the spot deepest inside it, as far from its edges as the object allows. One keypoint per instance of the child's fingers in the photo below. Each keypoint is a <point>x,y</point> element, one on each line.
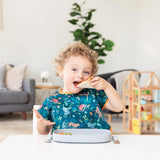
<point>95,79</point>
<point>41,119</point>
<point>35,111</point>
<point>46,122</point>
<point>94,84</point>
<point>37,114</point>
<point>51,123</point>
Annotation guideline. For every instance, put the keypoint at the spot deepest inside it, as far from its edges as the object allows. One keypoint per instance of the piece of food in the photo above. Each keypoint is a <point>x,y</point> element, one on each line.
<point>85,84</point>
<point>61,133</point>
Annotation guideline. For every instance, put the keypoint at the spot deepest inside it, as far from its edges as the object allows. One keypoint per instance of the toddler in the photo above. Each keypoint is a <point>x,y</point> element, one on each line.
<point>74,107</point>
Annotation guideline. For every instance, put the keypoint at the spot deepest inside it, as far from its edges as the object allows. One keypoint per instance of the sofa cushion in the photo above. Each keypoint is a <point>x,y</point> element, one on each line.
<point>15,76</point>
<point>13,97</point>
<point>2,76</point>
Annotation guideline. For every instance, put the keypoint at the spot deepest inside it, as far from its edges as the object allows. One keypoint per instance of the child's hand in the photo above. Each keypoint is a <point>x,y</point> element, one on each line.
<point>115,103</point>
<point>42,123</point>
<point>99,83</point>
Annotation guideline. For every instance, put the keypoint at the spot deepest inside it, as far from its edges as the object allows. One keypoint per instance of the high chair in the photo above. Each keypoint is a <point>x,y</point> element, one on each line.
<point>35,132</point>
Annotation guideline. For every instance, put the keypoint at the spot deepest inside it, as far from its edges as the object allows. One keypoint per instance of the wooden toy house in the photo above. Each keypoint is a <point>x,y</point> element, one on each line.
<point>141,114</point>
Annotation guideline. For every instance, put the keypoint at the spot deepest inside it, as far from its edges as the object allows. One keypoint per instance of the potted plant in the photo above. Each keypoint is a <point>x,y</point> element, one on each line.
<point>81,19</point>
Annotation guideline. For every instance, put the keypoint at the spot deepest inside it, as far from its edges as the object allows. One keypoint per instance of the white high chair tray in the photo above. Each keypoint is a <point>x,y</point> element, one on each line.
<point>82,135</point>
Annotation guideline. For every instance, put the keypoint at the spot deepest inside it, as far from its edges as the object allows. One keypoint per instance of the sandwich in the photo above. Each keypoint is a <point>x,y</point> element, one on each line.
<point>85,83</point>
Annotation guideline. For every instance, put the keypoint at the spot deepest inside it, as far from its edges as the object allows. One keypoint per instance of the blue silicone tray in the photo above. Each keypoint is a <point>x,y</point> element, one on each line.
<point>82,135</point>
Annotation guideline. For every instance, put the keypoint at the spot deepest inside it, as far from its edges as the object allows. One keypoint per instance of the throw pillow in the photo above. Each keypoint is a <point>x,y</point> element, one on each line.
<point>2,76</point>
<point>15,76</point>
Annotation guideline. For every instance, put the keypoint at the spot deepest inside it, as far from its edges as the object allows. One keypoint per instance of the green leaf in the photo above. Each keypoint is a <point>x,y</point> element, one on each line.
<point>94,35</point>
<point>101,52</point>
<point>78,34</point>
<point>84,23</point>
<point>101,61</point>
<point>108,43</point>
<point>89,25</point>
<point>73,14</point>
<point>77,6</point>
<point>85,41</point>
<point>90,14</point>
<point>86,34</point>
<point>73,21</point>
<point>94,43</point>
<point>108,48</point>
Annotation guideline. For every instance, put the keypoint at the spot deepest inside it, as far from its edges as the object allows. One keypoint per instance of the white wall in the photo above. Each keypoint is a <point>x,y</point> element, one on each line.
<point>34,30</point>
<point>138,34</point>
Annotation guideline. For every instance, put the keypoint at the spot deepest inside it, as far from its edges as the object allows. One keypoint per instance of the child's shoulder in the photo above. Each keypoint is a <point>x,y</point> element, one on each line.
<point>55,95</point>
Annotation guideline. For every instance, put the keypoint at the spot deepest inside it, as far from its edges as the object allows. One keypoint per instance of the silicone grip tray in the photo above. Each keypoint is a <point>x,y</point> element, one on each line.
<point>82,135</point>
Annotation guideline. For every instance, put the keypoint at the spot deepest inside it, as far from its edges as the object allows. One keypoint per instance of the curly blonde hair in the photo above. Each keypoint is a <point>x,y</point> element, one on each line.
<point>77,49</point>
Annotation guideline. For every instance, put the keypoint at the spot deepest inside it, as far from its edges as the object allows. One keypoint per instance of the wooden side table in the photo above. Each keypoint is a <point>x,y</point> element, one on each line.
<point>45,89</point>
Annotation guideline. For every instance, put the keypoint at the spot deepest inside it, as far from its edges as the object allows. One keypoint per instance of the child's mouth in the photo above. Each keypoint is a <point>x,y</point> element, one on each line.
<point>75,83</point>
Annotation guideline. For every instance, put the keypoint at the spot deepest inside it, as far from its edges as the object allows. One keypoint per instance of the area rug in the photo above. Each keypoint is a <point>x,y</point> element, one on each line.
<point>13,124</point>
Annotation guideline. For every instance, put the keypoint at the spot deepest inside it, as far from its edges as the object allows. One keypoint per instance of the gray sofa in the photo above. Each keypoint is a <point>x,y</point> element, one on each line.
<point>18,101</point>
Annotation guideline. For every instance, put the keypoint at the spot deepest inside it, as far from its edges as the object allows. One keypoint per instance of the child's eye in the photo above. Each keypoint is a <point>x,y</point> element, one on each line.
<point>86,72</point>
<point>73,69</point>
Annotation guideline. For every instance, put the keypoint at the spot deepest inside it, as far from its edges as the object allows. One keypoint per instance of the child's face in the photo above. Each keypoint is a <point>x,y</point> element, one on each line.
<point>76,69</point>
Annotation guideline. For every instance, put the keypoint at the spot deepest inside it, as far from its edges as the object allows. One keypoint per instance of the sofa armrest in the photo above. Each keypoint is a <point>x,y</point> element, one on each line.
<point>29,87</point>
<point>110,77</point>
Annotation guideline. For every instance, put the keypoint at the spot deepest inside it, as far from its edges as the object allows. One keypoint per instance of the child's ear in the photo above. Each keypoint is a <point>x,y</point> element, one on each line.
<point>60,71</point>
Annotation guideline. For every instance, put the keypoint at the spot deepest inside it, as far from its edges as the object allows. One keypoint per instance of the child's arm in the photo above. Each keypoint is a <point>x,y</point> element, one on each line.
<point>115,103</point>
<point>43,126</point>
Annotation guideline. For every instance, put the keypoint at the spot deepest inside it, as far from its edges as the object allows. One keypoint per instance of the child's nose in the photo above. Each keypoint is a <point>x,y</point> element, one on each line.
<point>79,74</point>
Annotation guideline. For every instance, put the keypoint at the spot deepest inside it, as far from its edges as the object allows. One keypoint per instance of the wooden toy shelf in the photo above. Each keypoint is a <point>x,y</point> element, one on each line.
<point>141,108</point>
